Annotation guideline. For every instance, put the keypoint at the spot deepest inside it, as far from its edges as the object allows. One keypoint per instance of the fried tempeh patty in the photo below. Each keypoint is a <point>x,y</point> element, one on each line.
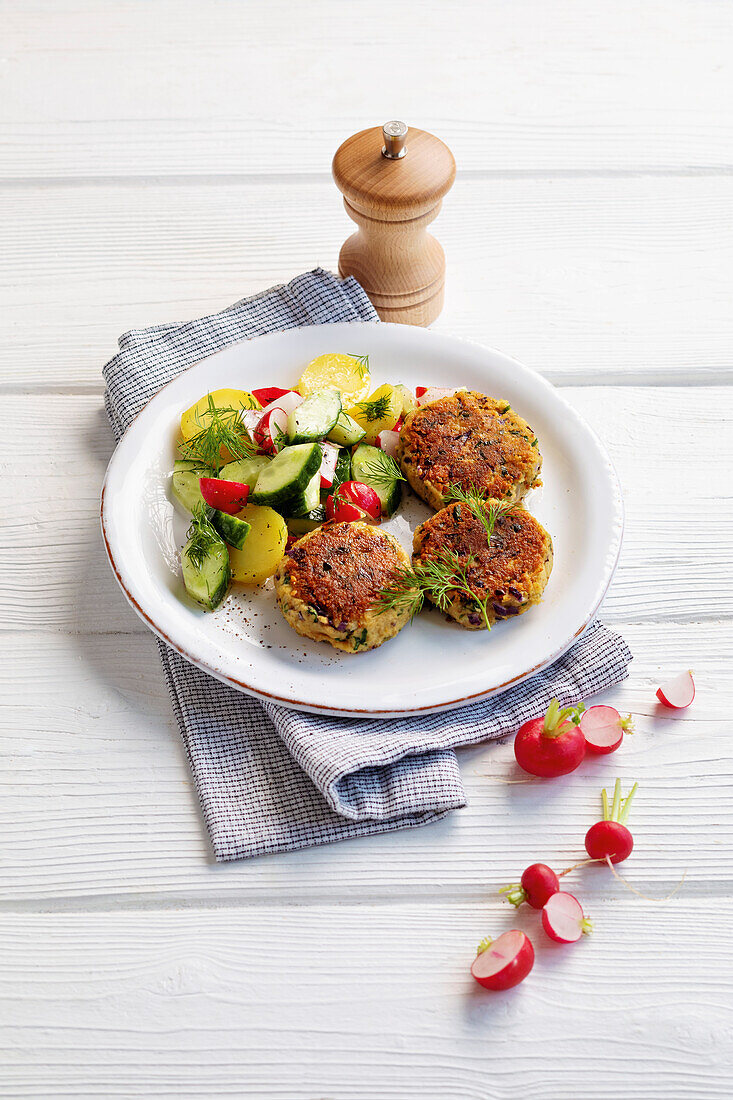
<point>510,574</point>
<point>471,440</point>
<point>329,582</point>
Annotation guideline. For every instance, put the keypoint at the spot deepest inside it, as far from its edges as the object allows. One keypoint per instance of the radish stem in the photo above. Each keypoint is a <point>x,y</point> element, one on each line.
<point>627,804</point>
<point>616,801</point>
<point>604,804</point>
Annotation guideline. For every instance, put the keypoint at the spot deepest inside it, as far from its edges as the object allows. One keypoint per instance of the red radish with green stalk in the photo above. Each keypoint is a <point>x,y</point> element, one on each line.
<point>678,693</point>
<point>609,840</point>
<point>553,745</point>
<point>563,918</point>
<point>503,962</point>
<point>538,883</point>
<point>603,728</point>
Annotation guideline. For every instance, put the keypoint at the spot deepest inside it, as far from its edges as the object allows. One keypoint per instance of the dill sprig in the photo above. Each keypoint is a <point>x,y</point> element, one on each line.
<point>220,427</point>
<point>439,578</point>
<point>382,472</point>
<point>202,537</point>
<point>377,409</point>
<point>486,512</point>
<point>362,365</point>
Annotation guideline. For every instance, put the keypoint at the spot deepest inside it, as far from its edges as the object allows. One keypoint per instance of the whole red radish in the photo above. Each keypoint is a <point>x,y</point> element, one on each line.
<point>504,962</point>
<point>609,838</point>
<point>678,693</point>
<point>538,883</point>
<point>227,496</point>
<point>604,728</point>
<point>563,919</point>
<point>552,745</point>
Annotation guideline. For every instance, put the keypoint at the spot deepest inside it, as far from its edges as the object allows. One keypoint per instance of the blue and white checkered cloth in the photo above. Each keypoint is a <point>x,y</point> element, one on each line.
<point>272,779</point>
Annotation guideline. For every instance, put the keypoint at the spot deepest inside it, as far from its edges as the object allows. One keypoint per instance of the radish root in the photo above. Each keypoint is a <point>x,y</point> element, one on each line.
<point>633,889</point>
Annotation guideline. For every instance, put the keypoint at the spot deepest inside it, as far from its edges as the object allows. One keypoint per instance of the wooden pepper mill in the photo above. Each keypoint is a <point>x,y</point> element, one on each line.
<point>393,179</point>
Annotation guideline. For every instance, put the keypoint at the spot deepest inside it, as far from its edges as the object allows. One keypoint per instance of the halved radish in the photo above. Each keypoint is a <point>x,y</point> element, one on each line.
<point>420,390</point>
<point>287,402</point>
<point>250,418</point>
<point>271,434</point>
<point>328,465</point>
<point>268,395</point>
<point>563,918</point>
<point>387,441</point>
<point>677,693</point>
<point>227,496</point>
<point>432,393</point>
<point>603,728</point>
<point>503,962</point>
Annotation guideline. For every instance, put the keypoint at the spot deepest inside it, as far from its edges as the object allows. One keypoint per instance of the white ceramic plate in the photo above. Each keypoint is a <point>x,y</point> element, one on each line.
<point>432,665</point>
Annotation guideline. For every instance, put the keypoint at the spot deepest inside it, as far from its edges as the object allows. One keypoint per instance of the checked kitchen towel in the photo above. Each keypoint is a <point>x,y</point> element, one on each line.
<point>271,779</point>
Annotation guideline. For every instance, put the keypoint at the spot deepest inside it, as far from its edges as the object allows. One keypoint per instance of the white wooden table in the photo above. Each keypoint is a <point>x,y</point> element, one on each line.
<point>161,159</point>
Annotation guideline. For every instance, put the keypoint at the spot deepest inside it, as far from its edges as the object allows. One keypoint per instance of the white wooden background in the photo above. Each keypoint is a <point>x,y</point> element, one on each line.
<point>161,159</point>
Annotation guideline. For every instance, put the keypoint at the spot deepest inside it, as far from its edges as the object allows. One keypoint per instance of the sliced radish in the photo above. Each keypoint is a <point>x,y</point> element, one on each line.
<point>268,395</point>
<point>271,434</point>
<point>432,393</point>
<point>677,693</point>
<point>563,919</point>
<point>250,418</point>
<point>399,424</point>
<point>227,496</point>
<point>387,441</point>
<point>503,962</point>
<point>604,728</point>
<point>287,402</point>
<point>328,465</point>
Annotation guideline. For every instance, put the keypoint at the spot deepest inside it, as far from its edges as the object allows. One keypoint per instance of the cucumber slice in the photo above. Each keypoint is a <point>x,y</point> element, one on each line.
<point>185,482</point>
<point>287,475</point>
<point>314,418</point>
<point>376,469</point>
<point>309,499</point>
<point>346,432</point>
<point>301,525</point>
<point>245,470</point>
<point>205,563</point>
<point>234,531</point>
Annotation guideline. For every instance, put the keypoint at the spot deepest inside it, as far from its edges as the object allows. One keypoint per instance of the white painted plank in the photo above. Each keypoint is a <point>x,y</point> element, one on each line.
<point>194,88</point>
<point>97,806</point>
<point>672,448</point>
<point>358,1002</point>
<point>594,280</point>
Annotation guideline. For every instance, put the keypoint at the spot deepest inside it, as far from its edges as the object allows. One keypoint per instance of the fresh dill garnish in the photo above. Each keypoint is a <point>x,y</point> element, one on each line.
<point>439,578</point>
<point>382,472</point>
<point>202,537</point>
<point>362,365</point>
<point>220,427</point>
<point>377,409</point>
<point>486,512</point>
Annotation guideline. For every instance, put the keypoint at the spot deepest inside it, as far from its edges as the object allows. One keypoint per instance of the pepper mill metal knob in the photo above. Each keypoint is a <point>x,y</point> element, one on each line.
<point>393,179</point>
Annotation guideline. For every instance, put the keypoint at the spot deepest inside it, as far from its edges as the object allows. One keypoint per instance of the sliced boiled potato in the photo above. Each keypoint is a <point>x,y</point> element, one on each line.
<point>264,547</point>
<point>379,412</point>
<point>197,417</point>
<point>348,374</point>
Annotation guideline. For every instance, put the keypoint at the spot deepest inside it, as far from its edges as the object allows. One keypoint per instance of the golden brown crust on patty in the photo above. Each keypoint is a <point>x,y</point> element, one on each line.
<point>468,439</point>
<point>511,573</point>
<point>327,585</point>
